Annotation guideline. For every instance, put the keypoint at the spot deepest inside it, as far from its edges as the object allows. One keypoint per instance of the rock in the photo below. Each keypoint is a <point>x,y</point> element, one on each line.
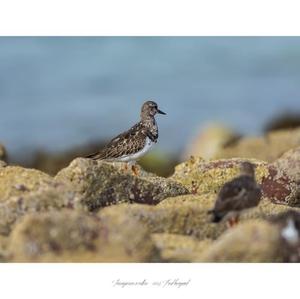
<point>72,236</point>
<point>210,140</point>
<point>202,177</point>
<point>255,241</point>
<point>47,199</point>
<point>267,148</point>
<point>289,163</point>
<point>185,215</point>
<point>179,248</point>
<point>2,164</point>
<point>18,181</point>
<point>3,249</point>
<point>101,184</point>
<point>27,190</point>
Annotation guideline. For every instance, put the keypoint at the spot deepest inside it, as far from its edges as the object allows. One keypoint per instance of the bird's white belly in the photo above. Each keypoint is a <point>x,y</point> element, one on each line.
<point>139,154</point>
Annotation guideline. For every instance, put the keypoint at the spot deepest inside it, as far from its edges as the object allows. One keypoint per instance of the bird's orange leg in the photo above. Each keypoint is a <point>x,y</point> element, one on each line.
<point>125,167</point>
<point>135,170</point>
<point>233,221</point>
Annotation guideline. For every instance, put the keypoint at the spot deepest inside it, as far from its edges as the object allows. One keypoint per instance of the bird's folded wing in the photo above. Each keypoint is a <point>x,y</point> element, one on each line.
<point>124,144</point>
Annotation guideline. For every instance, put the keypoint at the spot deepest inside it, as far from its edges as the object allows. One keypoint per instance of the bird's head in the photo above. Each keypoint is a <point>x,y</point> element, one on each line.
<point>247,168</point>
<point>150,108</point>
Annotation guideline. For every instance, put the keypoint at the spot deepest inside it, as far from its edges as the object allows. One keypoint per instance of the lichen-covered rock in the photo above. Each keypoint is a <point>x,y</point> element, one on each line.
<point>46,199</point>
<point>267,148</point>
<point>203,177</point>
<point>19,181</point>
<point>27,190</point>
<point>253,241</point>
<point>210,140</point>
<point>101,184</point>
<point>72,236</point>
<point>289,163</point>
<point>3,249</point>
<point>187,215</point>
<point>179,248</point>
<point>280,188</point>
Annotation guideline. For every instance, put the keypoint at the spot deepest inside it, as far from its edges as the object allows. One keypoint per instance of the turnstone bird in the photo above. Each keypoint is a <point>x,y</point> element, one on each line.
<point>289,227</point>
<point>239,194</point>
<point>134,143</point>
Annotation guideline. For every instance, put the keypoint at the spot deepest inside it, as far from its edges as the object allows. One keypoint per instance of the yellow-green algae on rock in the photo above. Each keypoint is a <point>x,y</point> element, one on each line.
<point>289,162</point>
<point>101,184</point>
<point>255,241</point>
<point>183,215</point>
<point>201,176</point>
<point>46,199</point>
<point>18,181</point>
<point>179,248</point>
<point>72,236</point>
<point>3,248</point>
<point>186,215</point>
<point>25,190</point>
<point>267,148</point>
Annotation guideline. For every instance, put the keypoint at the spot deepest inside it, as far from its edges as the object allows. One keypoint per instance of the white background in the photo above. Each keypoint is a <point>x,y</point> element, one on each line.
<point>153,17</point>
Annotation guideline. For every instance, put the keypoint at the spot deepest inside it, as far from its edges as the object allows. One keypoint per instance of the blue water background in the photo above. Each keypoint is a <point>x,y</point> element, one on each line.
<point>59,92</point>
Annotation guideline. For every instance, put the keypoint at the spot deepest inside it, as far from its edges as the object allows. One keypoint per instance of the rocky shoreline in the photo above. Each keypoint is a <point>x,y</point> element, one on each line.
<point>93,211</point>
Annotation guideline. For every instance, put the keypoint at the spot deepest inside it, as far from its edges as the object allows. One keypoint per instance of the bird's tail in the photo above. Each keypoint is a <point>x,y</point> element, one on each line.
<point>95,156</point>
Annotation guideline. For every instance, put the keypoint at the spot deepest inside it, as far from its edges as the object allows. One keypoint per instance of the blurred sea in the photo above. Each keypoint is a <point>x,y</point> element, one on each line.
<point>60,92</point>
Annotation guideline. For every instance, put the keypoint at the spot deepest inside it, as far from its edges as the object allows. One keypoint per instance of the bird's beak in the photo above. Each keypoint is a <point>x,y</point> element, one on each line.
<point>161,112</point>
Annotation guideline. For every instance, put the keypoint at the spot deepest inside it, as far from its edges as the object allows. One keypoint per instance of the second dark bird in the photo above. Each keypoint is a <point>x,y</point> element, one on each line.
<point>241,193</point>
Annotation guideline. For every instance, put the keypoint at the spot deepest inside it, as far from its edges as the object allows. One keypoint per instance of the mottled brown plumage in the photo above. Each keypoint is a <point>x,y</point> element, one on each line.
<point>239,194</point>
<point>135,142</point>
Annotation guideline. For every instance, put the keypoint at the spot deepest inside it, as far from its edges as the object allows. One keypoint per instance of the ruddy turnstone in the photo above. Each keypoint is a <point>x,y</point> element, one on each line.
<point>134,143</point>
<point>239,194</point>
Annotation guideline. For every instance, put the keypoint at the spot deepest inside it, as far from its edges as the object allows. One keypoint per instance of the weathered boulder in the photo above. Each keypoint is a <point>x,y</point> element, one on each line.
<point>210,140</point>
<point>19,181</point>
<point>27,190</point>
<point>287,169</point>
<point>203,177</point>
<point>47,199</point>
<point>254,241</point>
<point>72,236</point>
<point>267,148</point>
<point>101,184</point>
<point>178,248</point>
<point>186,215</point>
<point>289,163</point>
<point>3,249</point>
